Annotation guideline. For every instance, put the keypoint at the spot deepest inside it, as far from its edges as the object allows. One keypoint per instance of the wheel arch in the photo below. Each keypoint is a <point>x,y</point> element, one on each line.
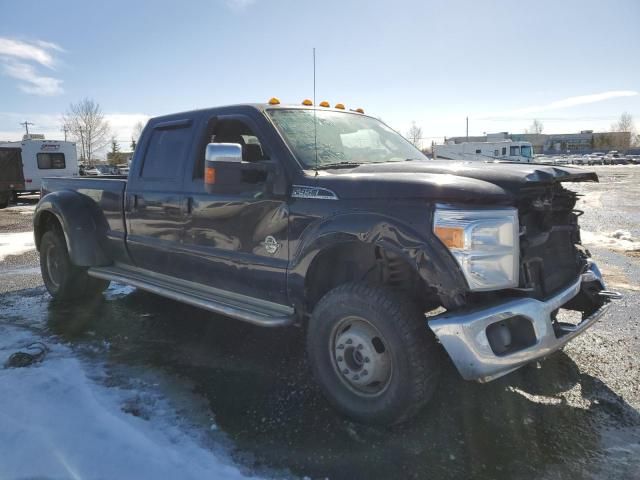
<point>362,239</point>
<point>80,221</point>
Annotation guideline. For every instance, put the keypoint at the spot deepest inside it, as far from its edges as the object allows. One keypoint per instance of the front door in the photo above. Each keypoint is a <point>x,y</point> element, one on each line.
<point>236,240</point>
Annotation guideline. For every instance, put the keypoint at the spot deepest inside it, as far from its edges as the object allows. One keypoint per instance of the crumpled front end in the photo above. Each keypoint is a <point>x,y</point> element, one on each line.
<point>488,342</point>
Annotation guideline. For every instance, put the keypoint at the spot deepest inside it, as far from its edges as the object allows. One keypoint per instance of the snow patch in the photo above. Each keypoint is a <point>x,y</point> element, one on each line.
<point>621,240</point>
<point>58,423</point>
<point>16,244</point>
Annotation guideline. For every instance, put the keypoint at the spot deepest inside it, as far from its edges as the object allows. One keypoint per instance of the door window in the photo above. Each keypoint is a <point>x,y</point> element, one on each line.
<point>232,131</point>
<point>166,151</point>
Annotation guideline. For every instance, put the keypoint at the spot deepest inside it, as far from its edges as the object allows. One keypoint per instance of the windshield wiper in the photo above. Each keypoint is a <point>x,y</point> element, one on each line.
<point>338,165</point>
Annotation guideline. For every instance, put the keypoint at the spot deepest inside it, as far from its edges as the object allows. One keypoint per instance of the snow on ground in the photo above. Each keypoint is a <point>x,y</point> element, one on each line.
<point>15,243</point>
<point>620,240</point>
<point>56,422</point>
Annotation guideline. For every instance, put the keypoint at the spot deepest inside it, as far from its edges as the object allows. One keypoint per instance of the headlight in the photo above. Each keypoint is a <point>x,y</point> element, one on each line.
<point>484,242</point>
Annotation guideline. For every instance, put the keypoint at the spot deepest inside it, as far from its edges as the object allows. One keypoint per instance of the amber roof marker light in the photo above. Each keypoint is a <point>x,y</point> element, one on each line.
<point>325,104</point>
<point>307,102</point>
<point>274,101</point>
<point>339,106</point>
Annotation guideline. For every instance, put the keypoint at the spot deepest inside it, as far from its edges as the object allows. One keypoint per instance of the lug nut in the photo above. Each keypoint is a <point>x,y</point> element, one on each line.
<point>341,347</point>
<point>366,360</point>
<point>349,342</point>
<point>339,359</point>
<point>356,377</point>
<point>360,347</point>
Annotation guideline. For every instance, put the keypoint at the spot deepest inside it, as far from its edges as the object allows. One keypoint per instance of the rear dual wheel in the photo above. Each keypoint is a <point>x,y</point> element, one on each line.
<point>372,353</point>
<point>63,279</point>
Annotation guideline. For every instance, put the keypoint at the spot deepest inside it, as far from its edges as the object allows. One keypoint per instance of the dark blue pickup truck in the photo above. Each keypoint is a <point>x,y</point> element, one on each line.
<point>328,219</point>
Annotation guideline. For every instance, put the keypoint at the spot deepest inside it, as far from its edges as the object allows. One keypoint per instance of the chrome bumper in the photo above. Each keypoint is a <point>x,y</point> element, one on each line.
<point>464,335</point>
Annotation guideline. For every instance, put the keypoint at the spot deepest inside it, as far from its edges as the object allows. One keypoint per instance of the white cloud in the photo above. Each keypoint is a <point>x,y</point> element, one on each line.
<point>557,105</point>
<point>32,82</point>
<point>31,52</point>
<point>239,5</point>
<point>19,60</point>
<point>578,100</point>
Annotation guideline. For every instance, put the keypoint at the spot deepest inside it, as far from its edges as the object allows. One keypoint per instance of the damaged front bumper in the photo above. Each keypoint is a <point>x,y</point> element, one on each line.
<point>487,343</point>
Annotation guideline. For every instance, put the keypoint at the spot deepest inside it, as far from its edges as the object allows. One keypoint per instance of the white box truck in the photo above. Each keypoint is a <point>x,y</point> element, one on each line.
<point>43,158</point>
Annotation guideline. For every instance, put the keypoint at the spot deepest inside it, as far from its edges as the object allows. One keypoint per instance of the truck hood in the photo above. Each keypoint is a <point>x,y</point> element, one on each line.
<point>454,181</point>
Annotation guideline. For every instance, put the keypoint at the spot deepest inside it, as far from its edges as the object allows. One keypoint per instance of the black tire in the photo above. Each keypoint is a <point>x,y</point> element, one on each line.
<point>404,341</point>
<point>4,199</point>
<point>63,279</point>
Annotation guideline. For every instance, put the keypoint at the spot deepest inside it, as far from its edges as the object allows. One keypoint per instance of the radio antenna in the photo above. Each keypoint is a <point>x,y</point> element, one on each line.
<point>315,121</point>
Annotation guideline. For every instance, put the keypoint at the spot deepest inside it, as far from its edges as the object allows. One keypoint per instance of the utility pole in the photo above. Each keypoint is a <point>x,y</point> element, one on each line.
<point>65,129</point>
<point>467,129</point>
<point>26,125</point>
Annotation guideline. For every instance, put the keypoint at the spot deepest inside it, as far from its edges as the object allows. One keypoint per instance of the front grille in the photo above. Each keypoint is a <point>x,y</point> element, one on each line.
<point>551,256</point>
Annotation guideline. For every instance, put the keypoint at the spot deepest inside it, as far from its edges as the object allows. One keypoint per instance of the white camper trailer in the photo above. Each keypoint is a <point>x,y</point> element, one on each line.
<point>44,158</point>
<point>505,150</point>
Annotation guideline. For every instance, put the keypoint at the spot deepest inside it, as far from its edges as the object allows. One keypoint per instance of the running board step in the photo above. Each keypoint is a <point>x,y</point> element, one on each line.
<point>240,307</point>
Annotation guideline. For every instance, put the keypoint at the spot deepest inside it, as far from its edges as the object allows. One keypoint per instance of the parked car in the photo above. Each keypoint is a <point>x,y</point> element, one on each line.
<point>611,158</point>
<point>237,210</point>
<point>596,159</point>
<point>122,169</point>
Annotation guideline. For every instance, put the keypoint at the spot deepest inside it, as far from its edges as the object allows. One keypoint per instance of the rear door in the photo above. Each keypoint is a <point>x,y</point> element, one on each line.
<point>154,201</point>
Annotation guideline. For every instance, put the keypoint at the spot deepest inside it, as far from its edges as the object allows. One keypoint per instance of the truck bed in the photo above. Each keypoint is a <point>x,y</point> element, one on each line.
<point>104,197</point>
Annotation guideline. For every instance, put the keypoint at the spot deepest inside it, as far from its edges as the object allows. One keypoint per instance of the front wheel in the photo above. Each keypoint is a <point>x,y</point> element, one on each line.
<point>372,353</point>
<point>63,279</point>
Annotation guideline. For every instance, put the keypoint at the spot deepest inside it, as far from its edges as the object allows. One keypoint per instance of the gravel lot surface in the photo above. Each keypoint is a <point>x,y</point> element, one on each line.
<point>574,415</point>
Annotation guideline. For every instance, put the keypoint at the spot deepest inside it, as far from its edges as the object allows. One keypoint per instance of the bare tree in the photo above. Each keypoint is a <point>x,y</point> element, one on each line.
<point>88,127</point>
<point>135,134</point>
<point>414,135</point>
<point>536,127</point>
<point>137,131</point>
<point>624,124</point>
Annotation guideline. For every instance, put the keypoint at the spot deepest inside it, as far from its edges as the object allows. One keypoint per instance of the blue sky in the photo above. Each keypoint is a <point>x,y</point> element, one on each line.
<point>573,64</point>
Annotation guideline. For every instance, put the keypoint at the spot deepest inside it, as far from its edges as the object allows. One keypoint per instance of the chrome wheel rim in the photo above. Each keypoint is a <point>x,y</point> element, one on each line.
<point>361,356</point>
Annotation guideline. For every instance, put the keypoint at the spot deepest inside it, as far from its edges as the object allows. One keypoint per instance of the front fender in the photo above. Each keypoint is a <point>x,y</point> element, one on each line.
<point>83,224</point>
<point>425,253</point>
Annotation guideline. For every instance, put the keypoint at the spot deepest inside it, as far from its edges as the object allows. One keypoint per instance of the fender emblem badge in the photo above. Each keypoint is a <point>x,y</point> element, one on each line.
<point>271,245</point>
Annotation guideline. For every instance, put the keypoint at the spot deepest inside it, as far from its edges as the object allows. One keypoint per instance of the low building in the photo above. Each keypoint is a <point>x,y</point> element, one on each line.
<point>584,142</point>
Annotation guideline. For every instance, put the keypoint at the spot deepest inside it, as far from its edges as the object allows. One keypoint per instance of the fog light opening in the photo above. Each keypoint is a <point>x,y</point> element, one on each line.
<point>511,335</point>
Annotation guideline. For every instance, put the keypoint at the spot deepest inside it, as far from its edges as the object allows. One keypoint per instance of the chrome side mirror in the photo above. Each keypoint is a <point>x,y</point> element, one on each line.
<point>223,152</point>
<point>222,165</point>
